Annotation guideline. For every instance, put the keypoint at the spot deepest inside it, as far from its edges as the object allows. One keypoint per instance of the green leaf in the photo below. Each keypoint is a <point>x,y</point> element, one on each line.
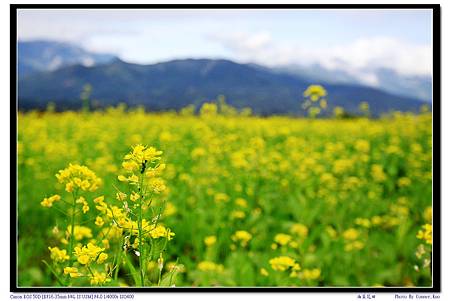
<point>132,269</point>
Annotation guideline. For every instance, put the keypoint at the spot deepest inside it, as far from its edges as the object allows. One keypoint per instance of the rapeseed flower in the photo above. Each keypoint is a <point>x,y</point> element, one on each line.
<point>282,239</point>
<point>98,278</point>
<point>89,253</point>
<point>48,202</point>
<point>72,271</point>
<point>210,240</point>
<point>76,176</point>
<point>426,234</point>
<point>241,236</point>
<point>282,263</point>
<point>209,266</point>
<point>58,255</point>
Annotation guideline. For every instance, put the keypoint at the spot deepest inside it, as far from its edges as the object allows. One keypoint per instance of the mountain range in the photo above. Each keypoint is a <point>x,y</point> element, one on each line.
<point>175,84</point>
<point>416,86</point>
<point>43,55</point>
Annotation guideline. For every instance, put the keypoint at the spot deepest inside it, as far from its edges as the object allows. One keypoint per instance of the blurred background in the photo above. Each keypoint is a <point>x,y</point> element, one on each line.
<point>262,59</point>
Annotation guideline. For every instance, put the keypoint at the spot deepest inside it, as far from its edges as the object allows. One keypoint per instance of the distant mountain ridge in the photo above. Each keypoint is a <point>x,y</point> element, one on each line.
<point>415,86</point>
<point>42,55</point>
<point>175,84</point>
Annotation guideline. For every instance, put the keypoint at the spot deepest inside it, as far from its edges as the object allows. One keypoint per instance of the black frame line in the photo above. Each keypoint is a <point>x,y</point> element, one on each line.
<point>436,182</point>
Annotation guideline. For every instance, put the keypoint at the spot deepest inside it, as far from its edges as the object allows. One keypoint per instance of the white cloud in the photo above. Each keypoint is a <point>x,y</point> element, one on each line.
<point>359,58</point>
<point>242,42</point>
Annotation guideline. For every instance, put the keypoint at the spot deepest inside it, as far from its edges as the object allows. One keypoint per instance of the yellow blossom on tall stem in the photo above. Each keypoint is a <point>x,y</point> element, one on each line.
<point>142,170</point>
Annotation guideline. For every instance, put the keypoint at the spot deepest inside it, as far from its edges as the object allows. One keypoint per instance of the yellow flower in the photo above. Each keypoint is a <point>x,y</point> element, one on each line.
<point>363,222</point>
<point>88,253</point>
<point>311,274</point>
<point>264,272</point>
<point>170,209</point>
<point>198,152</point>
<point>210,240</point>
<point>99,221</point>
<point>378,173</point>
<point>237,214</point>
<point>299,229</point>
<point>376,220</point>
<point>48,202</point>
<point>241,202</point>
<point>354,245</point>
<point>78,176</point>
<point>157,185</point>
<point>362,146</point>
<point>315,91</point>
<point>129,166</point>
<point>282,263</point>
<point>282,239</point>
<point>161,231</point>
<point>98,278</point>
<point>241,236</point>
<point>209,266</point>
<point>82,200</point>
<point>221,197</point>
<point>404,182</point>
<point>69,187</point>
<point>208,109</point>
<point>121,196</point>
<point>80,232</point>
<point>155,172</point>
<point>105,243</point>
<point>102,257</point>
<point>139,158</point>
<point>134,196</point>
<point>133,179</point>
<point>122,178</point>
<point>341,166</point>
<point>426,234</point>
<point>293,244</point>
<point>100,201</point>
<point>58,255</point>
<point>72,271</point>
<point>350,234</point>
<point>428,214</point>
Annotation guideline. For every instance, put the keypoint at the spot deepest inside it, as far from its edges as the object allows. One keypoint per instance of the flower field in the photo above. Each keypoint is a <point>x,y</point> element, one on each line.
<point>127,198</point>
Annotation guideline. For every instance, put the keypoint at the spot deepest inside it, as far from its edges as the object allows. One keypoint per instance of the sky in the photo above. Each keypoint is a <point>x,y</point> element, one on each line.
<point>356,41</point>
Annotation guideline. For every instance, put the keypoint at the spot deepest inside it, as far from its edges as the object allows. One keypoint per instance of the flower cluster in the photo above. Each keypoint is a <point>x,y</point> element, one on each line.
<point>209,266</point>
<point>58,255</point>
<point>90,253</point>
<point>48,202</point>
<point>315,100</point>
<point>282,263</point>
<point>78,177</point>
<point>426,234</point>
<point>134,225</point>
<point>242,237</point>
<point>351,237</point>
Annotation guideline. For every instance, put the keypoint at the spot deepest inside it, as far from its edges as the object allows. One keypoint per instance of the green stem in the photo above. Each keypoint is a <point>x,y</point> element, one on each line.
<point>141,245</point>
<point>118,256</point>
<point>72,227</point>
<point>90,271</point>
<point>60,281</point>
